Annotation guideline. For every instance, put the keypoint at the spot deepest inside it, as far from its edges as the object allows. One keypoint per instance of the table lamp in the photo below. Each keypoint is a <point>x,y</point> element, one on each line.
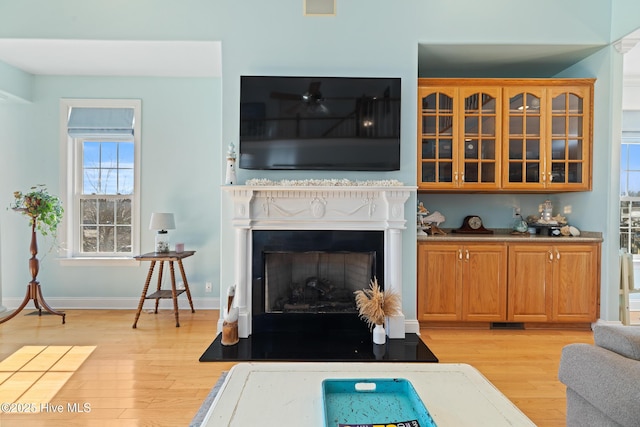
<point>162,222</point>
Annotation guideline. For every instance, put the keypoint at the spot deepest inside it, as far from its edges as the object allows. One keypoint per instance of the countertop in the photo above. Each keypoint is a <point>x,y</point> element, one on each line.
<point>505,235</point>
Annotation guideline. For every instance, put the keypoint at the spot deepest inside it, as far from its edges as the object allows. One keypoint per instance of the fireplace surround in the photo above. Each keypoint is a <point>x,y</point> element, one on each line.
<point>311,209</point>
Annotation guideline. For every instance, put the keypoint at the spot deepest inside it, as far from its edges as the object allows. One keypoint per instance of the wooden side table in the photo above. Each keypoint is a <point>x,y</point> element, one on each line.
<point>160,293</point>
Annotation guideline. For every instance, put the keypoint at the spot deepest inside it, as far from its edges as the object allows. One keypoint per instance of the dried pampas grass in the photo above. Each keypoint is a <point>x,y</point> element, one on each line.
<point>374,304</point>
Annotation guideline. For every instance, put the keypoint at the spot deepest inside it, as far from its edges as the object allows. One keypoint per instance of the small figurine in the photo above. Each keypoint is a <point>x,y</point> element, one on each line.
<point>421,213</point>
<point>230,178</point>
<point>434,220</point>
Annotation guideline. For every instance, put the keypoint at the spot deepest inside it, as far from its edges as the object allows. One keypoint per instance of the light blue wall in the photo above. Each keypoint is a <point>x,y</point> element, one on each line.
<point>366,38</point>
<point>15,84</point>
<point>180,174</point>
<point>624,18</point>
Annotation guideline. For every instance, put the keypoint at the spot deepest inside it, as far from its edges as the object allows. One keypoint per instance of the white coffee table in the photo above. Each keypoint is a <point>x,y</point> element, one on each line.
<point>290,394</point>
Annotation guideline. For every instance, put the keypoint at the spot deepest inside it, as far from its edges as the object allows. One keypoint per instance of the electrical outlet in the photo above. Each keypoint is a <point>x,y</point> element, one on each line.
<point>516,212</point>
<point>208,287</point>
<point>567,209</point>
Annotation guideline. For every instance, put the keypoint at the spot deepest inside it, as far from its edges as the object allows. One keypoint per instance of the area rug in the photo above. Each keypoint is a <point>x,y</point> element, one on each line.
<point>208,401</point>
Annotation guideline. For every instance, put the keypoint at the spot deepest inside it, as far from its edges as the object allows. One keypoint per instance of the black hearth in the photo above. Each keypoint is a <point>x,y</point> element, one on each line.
<point>348,346</point>
<point>302,300</point>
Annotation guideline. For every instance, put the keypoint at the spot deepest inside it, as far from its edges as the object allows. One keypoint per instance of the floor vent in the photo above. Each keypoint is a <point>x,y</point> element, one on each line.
<point>504,325</point>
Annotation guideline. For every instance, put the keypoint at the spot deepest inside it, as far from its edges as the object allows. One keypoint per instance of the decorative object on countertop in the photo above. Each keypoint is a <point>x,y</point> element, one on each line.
<point>429,221</point>
<point>420,214</point>
<point>520,225</point>
<point>434,220</point>
<point>374,305</point>
<point>472,224</point>
<point>546,217</point>
<point>569,230</point>
<point>230,177</point>
<point>161,222</point>
<point>230,323</point>
<point>547,210</point>
<point>45,213</point>
<point>554,226</point>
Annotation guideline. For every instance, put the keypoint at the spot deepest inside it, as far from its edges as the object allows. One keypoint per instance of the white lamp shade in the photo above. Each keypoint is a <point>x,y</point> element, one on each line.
<point>162,221</point>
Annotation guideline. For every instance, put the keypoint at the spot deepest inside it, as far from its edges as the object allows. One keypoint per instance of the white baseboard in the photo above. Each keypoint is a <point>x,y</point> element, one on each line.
<point>114,303</point>
<point>412,327</point>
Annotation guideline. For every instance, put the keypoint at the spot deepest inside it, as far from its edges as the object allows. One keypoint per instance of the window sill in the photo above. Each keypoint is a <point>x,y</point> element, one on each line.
<point>99,262</point>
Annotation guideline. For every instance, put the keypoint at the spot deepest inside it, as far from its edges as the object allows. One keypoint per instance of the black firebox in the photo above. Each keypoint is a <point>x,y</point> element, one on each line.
<point>303,280</point>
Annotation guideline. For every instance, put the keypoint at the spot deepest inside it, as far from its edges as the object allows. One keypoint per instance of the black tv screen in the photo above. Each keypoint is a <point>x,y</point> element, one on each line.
<point>320,123</point>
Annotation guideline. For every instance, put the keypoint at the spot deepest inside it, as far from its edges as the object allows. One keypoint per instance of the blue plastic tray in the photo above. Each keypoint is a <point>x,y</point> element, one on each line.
<point>365,402</point>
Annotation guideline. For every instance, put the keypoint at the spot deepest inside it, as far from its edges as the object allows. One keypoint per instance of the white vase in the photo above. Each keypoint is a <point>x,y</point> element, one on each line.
<point>379,334</point>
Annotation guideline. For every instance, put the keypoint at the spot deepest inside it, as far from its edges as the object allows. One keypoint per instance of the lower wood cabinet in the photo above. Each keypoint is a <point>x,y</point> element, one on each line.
<point>462,282</point>
<point>553,283</point>
<point>512,282</point>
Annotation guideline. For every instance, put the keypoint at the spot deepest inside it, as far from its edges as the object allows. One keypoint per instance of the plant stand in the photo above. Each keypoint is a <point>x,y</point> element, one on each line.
<point>34,292</point>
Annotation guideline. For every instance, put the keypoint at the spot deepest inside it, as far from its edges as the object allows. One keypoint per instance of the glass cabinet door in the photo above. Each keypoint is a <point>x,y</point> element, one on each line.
<point>480,139</point>
<point>523,138</point>
<point>437,133</point>
<point>568,154</point>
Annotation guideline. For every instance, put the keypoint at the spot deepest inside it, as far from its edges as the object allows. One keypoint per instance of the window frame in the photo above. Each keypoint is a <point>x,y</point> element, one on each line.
<point>71,185</point>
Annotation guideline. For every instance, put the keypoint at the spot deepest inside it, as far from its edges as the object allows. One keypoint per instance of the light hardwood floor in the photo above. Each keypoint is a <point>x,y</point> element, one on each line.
<point>151,376</point>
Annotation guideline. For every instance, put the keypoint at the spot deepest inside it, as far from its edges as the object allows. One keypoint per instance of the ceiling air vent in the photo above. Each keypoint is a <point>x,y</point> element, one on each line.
<point>319,7</point>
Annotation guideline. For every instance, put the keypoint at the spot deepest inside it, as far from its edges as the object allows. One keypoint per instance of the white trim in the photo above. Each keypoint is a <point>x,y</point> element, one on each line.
<point>98,262</point>
<point>317,208</point>
<point>412,327</point>
<point>68,182</point>
<point>115,303</point>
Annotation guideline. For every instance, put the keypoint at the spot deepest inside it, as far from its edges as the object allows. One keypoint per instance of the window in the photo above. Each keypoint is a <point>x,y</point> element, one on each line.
<point>630,197</point>
<point>101,144</point>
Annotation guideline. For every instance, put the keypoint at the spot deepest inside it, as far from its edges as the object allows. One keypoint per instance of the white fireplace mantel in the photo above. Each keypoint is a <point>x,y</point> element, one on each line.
<point>312,207</point>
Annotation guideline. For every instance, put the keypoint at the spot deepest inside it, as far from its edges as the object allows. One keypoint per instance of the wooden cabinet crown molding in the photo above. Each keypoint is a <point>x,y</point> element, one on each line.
<point>503,82</point>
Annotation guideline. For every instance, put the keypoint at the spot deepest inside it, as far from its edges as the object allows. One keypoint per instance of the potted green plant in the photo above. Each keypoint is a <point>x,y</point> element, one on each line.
<point>45,213</point>
<point>43,209</point>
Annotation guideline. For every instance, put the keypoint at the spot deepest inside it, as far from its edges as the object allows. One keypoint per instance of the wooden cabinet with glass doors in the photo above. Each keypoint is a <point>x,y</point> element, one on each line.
<point>547,136</point>
<point>525,135</point>
<point>459,138</point>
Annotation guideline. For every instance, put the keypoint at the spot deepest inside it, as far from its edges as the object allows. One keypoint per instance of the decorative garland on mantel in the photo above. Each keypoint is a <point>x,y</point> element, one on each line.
<point>324,183</point>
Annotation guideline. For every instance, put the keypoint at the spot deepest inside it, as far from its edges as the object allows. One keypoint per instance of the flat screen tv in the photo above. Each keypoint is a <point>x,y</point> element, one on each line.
<point>320,123</point>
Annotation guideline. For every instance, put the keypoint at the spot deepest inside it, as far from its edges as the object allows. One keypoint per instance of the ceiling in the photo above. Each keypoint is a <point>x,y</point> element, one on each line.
<point>444,60</point>
<point>113,57</point>
<point>203,58</point>
<point>503,60</point>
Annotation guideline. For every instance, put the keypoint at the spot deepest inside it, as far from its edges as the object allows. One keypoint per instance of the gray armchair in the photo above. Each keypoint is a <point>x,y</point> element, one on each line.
<point>603,380</point>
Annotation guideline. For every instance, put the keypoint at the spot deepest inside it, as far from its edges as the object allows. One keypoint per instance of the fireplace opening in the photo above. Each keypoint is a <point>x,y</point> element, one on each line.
<point>304,280</point>
<point>315,282</point>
